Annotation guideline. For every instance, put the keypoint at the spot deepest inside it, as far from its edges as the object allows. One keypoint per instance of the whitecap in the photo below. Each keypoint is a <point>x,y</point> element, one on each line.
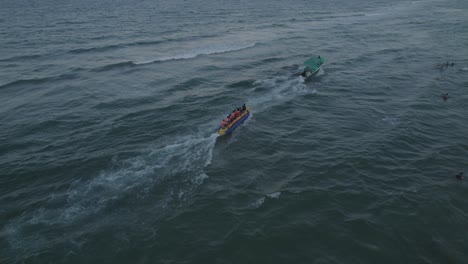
<point>274,195</point>
<point>207,50</point>
<point>258,202</point>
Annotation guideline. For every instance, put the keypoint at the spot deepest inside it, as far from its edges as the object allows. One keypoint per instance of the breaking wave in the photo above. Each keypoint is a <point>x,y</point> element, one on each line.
<point>188,55</point>
<point>210,50</point>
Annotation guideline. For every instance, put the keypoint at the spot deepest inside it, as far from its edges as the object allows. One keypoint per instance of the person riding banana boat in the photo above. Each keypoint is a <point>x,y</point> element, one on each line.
<point>233,120</point>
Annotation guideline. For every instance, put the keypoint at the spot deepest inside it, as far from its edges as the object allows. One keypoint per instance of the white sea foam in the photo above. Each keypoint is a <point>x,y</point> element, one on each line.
<point>320,72</point>
<point>185,154</point>
<point>258,202</point>
<point>210,149</point>
<point>135,177</point>
<point>200,178</point>
<point>274,195</point>
<point>270,92</point>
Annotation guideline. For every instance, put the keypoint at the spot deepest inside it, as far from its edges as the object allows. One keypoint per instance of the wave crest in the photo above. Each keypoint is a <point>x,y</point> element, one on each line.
<point>23,82</point>
<point>201,51</point>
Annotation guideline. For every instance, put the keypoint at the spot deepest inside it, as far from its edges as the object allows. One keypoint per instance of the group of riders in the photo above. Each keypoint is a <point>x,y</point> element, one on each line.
<point>235,114</point>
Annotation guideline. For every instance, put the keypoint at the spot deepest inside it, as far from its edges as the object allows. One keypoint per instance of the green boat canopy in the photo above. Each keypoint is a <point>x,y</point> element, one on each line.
<point>314,63</point>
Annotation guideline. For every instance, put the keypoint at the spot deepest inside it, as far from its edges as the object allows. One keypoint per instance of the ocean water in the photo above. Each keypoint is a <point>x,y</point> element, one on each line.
<point>109,151</point>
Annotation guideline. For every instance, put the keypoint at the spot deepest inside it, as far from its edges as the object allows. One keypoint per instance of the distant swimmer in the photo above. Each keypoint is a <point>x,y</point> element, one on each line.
<point>445,96</point>
<point>452,64</point>
<point>459,176</point>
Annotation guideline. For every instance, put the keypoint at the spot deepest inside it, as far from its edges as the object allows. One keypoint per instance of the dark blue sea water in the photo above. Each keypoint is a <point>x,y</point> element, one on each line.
<point>109,151</point>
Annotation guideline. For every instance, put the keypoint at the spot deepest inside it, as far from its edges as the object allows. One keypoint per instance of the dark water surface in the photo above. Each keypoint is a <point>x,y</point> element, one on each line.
<point>108,150</point>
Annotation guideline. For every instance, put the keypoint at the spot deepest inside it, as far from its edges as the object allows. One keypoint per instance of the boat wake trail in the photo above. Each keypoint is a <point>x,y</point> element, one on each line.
<point>165,176</point>
<point>275,91</point>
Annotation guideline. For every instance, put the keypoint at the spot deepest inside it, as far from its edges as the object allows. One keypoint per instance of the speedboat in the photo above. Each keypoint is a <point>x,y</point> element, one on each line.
<point>235,123</point>
<point>313,65</point>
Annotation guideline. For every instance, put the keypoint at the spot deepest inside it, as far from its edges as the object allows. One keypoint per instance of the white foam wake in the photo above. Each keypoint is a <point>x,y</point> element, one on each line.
<point>177,167</point>
<point>273,91</point>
